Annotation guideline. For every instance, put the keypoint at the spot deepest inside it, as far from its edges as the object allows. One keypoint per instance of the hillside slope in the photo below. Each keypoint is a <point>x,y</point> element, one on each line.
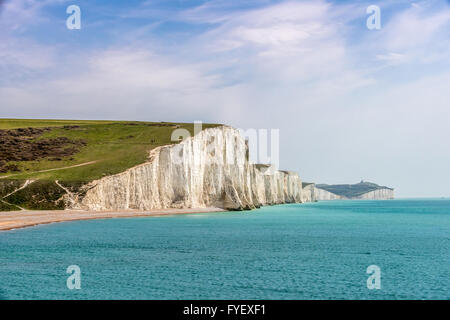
<point>34,149</point>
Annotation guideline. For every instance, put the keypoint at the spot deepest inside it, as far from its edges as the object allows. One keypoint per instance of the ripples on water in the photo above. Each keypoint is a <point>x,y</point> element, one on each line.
<point>309,251</point>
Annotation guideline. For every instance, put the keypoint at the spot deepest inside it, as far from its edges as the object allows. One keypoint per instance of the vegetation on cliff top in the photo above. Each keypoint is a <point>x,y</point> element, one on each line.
<point>74,150</point>
<point>60,155</point>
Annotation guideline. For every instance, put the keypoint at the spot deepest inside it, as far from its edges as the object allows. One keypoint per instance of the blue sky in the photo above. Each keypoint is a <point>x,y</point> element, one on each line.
<point>350,102</point>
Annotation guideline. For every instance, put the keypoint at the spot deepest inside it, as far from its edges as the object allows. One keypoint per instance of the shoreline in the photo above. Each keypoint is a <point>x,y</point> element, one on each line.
<point>10,220</point>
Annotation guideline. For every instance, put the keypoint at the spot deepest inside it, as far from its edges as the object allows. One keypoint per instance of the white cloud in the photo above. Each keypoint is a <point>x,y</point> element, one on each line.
<point>415,27</point>
<point>391,56</point>
<point>286,25</point>
<point>19,15</point>
<point>287,46</point>
<point>25,53</point>
<point>416,35</point>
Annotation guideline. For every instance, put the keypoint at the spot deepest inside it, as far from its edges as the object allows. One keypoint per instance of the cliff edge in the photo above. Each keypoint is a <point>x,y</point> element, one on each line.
<point>210,169</point>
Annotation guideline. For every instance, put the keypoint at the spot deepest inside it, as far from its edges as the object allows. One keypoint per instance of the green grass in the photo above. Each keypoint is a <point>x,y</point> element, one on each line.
<point>37,123</point>
<point>115,145</point>
<point>40,195</point>
<point>7,207</point>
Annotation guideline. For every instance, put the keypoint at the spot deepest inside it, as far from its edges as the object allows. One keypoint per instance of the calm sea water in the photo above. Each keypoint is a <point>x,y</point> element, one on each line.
<point>309,251</point>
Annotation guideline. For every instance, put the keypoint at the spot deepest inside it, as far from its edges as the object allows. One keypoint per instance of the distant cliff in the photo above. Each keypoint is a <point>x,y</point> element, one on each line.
<point>311,193</point>
<point>362,190</point>
<point>210,169</point>
<point>380,194</point>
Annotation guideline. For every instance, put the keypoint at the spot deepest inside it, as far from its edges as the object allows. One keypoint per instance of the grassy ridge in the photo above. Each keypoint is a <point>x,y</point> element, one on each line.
<point>37,123</point>
<point>114,146</point>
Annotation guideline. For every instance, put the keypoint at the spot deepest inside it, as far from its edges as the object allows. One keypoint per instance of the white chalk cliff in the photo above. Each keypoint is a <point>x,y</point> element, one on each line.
<point>311,193</point>
<point>314,193</point>
<point>380,194</point>
<point>210,169</point>
<point>308,194</point>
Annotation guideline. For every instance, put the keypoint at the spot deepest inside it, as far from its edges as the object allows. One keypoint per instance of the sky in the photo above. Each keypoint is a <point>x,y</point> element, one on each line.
<point>350,102</point>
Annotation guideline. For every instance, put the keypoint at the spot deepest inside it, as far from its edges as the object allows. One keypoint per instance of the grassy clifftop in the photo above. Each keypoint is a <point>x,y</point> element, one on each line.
<point>58,156</point>
<point>72,150</point>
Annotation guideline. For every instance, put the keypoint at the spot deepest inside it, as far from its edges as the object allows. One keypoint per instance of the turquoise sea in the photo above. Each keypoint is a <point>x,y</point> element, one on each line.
<point>298,251</point>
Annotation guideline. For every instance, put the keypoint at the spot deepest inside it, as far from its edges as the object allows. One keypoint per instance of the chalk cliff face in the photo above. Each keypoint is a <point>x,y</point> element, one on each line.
<point>318,194</point>
<point>311,193</point>
<point>308,194</point>
<point>210,169</point>
<point>380,194</point>
<point>321,194</point>
<point>359,191</point>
